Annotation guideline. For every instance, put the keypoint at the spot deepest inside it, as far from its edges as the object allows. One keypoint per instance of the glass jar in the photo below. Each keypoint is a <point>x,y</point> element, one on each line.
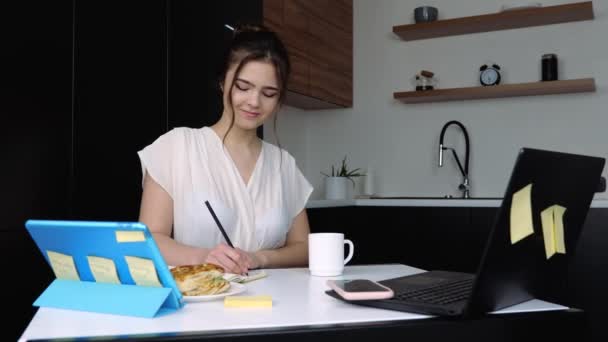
<point>424,83</point>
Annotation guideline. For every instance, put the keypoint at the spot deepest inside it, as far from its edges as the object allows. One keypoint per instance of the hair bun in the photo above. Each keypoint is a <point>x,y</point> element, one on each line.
<point>248,28</point>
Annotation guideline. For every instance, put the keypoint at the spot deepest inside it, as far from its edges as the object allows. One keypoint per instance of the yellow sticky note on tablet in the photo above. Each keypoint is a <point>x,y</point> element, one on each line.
<point>129,236</point>
<point>103,269</point>
<point>143,271</point>
<point>521,214</point>
<point>63,266</point>
<point>552,220</point>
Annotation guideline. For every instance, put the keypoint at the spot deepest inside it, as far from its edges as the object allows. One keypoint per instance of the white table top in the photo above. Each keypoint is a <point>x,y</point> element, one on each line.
<point>422,202</point>
<point>298,300</point>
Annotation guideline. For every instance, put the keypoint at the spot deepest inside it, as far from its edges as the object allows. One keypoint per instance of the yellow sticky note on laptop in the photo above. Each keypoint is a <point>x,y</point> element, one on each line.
<point>143,271</point>
<point>521,214</point>
<point>103,269</point>
<point>63,266</point>
<point>552,220</point>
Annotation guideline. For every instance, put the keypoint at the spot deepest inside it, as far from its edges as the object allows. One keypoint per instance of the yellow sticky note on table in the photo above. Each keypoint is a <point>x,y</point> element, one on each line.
<point>143,271</point>
<point>63,266</point>
<point>552,220</point>
<point>129,236</point>
<point>103,269</point>
<point>263,301</point>
<point>521,214</point>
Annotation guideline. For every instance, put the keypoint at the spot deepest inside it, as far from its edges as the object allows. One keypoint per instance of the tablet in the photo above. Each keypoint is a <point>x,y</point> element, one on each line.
<point>105,253</point>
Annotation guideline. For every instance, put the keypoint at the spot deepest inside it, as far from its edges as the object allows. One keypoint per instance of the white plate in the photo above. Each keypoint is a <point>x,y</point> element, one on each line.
<point>235,288</point>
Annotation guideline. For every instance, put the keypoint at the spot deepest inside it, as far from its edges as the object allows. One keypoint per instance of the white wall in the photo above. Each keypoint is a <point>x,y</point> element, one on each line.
<point>400,141</point>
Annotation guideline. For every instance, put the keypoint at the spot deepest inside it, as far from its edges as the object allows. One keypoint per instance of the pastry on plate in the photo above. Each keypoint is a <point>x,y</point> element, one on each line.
<point>200,280</point>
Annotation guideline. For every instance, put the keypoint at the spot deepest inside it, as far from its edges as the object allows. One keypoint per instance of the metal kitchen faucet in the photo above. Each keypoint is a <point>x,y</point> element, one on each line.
<point>465,186</point>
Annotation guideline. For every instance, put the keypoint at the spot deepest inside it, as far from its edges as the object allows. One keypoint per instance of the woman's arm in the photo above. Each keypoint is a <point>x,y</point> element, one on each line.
<point>156,212</point>
<point>295,251</point>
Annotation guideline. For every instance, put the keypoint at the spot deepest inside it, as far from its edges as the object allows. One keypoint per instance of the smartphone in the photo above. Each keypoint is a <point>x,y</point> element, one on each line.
<point>360,289</point>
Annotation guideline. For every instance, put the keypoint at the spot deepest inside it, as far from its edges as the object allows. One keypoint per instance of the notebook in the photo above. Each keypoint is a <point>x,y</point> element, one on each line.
<point>534,234</point>
<point>108,267</point>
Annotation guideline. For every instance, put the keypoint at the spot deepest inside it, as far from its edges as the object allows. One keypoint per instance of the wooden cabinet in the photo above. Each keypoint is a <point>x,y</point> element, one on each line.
<point>319,37</point>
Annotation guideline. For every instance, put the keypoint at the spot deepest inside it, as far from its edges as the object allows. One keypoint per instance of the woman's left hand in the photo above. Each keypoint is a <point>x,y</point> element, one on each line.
<point>251,259</point>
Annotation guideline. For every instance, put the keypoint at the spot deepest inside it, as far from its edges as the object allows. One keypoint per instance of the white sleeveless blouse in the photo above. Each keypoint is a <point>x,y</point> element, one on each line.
<point>193,166</point>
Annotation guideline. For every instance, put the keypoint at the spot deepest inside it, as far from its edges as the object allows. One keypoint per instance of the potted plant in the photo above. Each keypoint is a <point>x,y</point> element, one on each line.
<point>337,182</point>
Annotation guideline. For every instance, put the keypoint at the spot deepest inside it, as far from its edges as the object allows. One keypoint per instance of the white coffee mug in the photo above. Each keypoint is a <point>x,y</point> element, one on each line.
<point>326,254</point>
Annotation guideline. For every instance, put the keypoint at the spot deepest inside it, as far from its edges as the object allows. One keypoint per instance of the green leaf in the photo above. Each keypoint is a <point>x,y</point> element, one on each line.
<point>354,173</point>
<point>343,171</point>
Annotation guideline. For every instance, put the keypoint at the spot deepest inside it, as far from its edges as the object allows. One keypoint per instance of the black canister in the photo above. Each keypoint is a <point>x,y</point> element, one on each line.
<point>549,67</point>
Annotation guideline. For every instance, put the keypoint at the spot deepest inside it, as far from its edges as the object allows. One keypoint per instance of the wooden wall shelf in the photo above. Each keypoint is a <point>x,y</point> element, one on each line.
<point>497,21</point>
<point>582,85</point>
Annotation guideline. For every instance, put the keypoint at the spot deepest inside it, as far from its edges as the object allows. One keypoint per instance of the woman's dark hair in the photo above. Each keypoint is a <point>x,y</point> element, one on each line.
<point>255,43</point>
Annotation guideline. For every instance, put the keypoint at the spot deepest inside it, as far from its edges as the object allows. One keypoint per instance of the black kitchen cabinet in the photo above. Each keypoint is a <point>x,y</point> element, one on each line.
<point>85,85</point>
<point>35,107</point>
<point>141,68</point>
<point>424,237</point>
<point>119,102</point>
<point>35,117</point>
<point>587,278</point>
<point>26,275</point>
<point>454,238</point>
<point>198,38</point>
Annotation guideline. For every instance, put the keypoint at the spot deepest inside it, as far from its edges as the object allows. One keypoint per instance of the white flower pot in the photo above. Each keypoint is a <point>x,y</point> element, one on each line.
<point>338,188</point>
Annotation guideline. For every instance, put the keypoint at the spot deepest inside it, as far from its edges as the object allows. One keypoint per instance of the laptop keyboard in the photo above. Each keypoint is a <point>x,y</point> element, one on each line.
<point>443,293</point>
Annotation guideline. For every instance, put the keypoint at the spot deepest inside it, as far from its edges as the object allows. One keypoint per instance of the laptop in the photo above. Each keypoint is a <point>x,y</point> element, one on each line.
<point>509,273</point>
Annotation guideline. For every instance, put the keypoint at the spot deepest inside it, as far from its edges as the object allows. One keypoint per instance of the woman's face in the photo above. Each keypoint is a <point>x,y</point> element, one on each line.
<point>255,94</point>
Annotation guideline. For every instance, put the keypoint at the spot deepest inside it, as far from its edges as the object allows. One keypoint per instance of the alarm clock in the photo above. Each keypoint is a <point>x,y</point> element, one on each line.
<point>489,75</point>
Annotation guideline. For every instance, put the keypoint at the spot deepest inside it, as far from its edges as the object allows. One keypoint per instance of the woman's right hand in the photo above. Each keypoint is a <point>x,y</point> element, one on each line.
<point>231,259</point>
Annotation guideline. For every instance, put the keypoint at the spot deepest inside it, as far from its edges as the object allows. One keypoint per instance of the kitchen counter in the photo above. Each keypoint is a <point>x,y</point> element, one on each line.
<point>421,202</point>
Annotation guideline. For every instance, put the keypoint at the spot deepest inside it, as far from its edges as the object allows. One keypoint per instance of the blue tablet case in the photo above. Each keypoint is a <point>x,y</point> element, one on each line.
<point>80,239</point>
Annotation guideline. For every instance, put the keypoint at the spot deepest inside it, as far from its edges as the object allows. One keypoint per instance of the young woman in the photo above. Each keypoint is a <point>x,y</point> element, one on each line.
<point>255,188</point>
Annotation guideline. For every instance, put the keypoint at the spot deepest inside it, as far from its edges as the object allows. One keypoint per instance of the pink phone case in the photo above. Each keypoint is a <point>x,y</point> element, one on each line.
<point>361,295</point>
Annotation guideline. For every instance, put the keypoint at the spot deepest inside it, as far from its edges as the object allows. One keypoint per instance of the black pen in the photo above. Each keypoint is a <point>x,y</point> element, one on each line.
<point>219,225</point>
